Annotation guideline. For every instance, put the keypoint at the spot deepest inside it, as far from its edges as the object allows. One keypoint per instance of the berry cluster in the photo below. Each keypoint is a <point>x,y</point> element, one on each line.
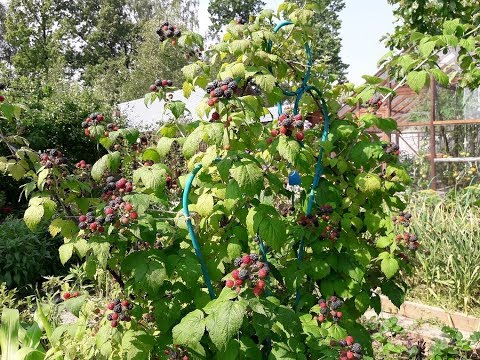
<point>167,31</point>
<point>51,158</point>
<point>374,102</point>
<point>68,295</point>
<point>2,88</point>
<point>176,353</point>
<point>82,164</point>
<point>145,245</point>
<point>112,127</point>
<point>308,220</point>
<point>89,221</point>
<point>325,211</point>
<point>329,309</point>
<point>350,349</point>
<point>410,240</point>
<point>403,218</point>
<point>287,211</point>
<point>171,183</point>
<point>391,148</point>
<point>160,84</point>
<point>249,268</point>
<point>330,233</point>
<point>119,311</point>
<point>116,187</point>
<point>220,89</point>
<point>92,120</point>
<point>239,20</point>
<point>119,209</point>
<point>289,124</point>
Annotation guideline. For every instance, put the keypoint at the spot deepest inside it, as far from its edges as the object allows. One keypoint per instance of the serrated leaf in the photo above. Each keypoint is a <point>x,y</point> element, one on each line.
<point>151,177</point>
<point>389,266</point>
<point>248,175</point>
<point>368,182</point>
<point>426,48</point>
<point>151,154</point>
<point>289,149</point>
<point>204,205</point>
<point>440,76</point>
<point>450,26</point>
<point>109,162</point>
<point>176,107</point>
<point>417,80</point>
<point>190,330</point>
<point>265,81</point>
<point>238,47</point>
<point>192,142</point>
<point>225,322</point>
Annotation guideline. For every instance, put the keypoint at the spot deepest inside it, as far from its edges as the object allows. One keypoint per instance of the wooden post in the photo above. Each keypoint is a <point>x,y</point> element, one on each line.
<point>433,154</point>
<point>389,112</point>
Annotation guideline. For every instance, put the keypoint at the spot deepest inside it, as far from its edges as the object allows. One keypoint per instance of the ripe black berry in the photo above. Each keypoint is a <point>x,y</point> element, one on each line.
<point>243,274</point>
<point>90,219</point>
<point>130,306</point>
<point>237,262</point>
<point>254,257</point>
<point>336,304</point>
<point>109,317</point>
<point>118,308</point>
<point>110,179</point>
<point>342,343</point>
<point>169,82</point>
<point>100,220</point>
<point>122,317</point>
<point>116,301</point>
<point>232,85</point>
<point>82,225</point>
<point>177,33</point>
<point>110,218</point>
<point>218,92</point>
<point>357,348</point>
<point>228,93</point>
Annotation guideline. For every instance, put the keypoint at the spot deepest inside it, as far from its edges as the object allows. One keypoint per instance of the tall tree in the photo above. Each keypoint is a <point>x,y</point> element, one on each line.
<point>5,49</point>
<point>428,16</point>
<point>328,42</point>
<point>222,12</point>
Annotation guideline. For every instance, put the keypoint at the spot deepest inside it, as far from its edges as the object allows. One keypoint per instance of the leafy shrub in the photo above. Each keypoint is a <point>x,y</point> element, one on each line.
<point>25,256</point>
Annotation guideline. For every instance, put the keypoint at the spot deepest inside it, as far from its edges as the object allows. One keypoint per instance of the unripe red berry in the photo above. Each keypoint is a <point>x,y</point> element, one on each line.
<point>262,273</point>
<point>133,215</point>
<point>128,207</point>
<point>153,88</point>
<point>323,305</point>
<point>115,316</point>
<point>110,306</point>
<point>82,218</point>
<point>212,93</point>
<point>300,136</point>
<point>87,132</point>
<point>229,283</point>
<point>235,274</point>
<point>283,129</point>
<point>109,211</point>
<point>215,116</point>
<point>339,314</point>
<point>124,220</point>
<point>321,318</point>
<point>246,259</point>
<point>2,98</point>
<point>211,102</point>
<point>67,295</point>
<point>349,339</point>
<point>164,82</point>
<point>114,323</point>
<point>269,140</point>
<point>350,355</point>
<point>282,117</point>
<point>76,294</point>
<point>298,117</point>
<point>261,284</point>
<point>257,291</point>
<point>274,132</point>
<point>125,303</point>
<point>100,229</point>
<point>239,282</point>
<point>100,118</point>
<point>93,226</point>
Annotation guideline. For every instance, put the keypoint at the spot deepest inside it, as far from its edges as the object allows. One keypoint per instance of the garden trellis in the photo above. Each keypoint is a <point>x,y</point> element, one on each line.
<point>304,88</point>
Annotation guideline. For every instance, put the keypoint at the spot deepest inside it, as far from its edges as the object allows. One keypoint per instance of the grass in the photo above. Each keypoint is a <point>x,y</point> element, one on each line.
<point>447,269</point>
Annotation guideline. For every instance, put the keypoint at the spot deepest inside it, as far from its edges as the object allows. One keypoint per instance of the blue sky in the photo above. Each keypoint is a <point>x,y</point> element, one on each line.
<point>363,24</point>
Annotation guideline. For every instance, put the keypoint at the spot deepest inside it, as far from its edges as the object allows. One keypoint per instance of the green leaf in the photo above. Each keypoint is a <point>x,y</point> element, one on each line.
<point>450,26</point>
<point>265,220</point>
<point>192,142</point>
<point>136,345</point>
<point>151,177</point>
<point>237,70</point>
<point>238,47</point>
<point>151,154</point>
<point>394,293</point>
<point>164,145</point>
<point>9,333</point>
<point>176,107</point>
<point>190,330</point>
<point>426,48</point>
<point>389,266</point>
<point>368,182</point>
<point>187,89</point>
<point>396,173</point>
<point>225,322</point>
<point>265,81</point>
<point>66,252</point>
<point>440,76</point>
<point>289,149</point>
<point>109,162</point>
<point>417,80</point>
<point>372,80</point>
<point>204,205</point>
<point>33,215</point>
<point>248,175</point>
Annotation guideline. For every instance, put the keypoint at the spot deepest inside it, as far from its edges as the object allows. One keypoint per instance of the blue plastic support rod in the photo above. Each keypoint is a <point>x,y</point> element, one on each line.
<point>191,230</point>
